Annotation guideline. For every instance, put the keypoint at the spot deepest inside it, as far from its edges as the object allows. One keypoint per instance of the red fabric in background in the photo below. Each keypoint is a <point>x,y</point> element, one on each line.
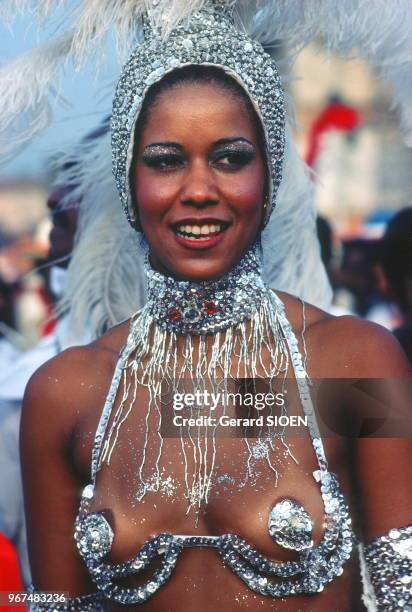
<point>10,579</point>
<point>335,116</point>
<point>50,320</point>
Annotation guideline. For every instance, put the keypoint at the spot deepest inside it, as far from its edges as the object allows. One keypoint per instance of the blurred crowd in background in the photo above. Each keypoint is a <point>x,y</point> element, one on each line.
<point>349,135</point>
<point>30,251</point>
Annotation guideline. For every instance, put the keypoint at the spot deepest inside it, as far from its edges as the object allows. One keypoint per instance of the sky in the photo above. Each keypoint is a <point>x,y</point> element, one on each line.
<point>89,98</point>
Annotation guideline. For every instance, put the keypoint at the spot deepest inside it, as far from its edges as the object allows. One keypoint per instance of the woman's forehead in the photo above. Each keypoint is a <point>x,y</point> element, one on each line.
<point>203,107</point>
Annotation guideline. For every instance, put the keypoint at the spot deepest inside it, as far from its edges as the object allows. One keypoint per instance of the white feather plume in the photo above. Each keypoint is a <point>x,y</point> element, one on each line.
<point>10,9</point>
<point>28,84</point>
<point>291,251</point>
<point>105,278</point>
<point>93,20</point>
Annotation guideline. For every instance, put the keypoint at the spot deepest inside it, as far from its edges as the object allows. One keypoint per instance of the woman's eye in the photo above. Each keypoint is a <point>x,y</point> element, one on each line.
<point>234,159</point>
<point>163,162</point>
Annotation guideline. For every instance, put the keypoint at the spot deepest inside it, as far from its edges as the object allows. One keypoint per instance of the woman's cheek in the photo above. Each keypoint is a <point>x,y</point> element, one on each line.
<point>245,190</point>
<point>246,197</point>
<point>154,197</point>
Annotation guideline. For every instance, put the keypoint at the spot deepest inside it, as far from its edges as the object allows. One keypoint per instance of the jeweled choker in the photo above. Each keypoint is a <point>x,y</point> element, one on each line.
<point>209,306</point>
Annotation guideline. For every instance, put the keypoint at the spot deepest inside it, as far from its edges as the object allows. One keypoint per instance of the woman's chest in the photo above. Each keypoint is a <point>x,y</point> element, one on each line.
<point>148,485</point>
<point>237,505</point>
<point>147,477</point>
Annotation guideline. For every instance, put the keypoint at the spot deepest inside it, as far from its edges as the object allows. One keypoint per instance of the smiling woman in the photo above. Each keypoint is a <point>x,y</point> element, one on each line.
<point>198,148</point>
<point>198,196</point>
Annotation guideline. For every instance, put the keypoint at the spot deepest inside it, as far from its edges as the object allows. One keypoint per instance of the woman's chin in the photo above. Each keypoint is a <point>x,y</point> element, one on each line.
<point>197,264</point>
<point>194,269</point>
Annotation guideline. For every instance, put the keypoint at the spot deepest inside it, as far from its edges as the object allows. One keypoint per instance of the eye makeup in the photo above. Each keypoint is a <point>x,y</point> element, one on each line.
<point>230,154</point>
<point>162,148</point>
<point>238,153</point>
<point>163,156</point>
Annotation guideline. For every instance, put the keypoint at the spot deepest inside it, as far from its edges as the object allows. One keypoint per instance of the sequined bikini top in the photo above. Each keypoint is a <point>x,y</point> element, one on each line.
<point>289,524</point>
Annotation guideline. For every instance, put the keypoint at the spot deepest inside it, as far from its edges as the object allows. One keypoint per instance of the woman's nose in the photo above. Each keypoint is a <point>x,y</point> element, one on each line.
<point>199,187</point>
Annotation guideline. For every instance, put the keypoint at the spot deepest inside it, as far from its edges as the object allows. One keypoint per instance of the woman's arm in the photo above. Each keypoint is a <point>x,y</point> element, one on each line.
<point>384,459</point>
<point>51,486</point>
<point>384,469</point>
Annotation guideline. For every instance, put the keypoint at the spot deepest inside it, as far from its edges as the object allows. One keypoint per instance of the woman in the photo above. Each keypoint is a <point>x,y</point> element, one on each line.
<point>198,161</point>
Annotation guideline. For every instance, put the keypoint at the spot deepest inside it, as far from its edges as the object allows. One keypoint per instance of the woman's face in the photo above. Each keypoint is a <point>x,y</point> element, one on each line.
<point>199,181</point>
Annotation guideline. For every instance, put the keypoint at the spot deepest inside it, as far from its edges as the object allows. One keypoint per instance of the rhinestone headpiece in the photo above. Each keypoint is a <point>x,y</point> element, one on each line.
<point>208,37</point>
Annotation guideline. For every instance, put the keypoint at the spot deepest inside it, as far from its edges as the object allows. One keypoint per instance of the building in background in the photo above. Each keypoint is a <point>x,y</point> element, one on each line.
<point>358,171</point>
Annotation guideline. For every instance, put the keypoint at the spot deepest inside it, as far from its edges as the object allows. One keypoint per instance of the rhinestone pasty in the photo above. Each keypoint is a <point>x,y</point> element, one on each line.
<point>290,525</point>
<point>96,537</point>
<point>208,37</point>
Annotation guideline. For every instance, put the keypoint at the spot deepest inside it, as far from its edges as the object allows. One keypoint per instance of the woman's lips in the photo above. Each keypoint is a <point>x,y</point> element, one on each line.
<point>207,241</point>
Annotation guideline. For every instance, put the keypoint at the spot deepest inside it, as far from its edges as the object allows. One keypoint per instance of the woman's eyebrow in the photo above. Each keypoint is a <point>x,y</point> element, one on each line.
<point>225,141</point>
<point>157,145</point>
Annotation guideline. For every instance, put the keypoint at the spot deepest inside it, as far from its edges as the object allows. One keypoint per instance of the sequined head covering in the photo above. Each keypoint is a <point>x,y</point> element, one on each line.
<point>208,37</point>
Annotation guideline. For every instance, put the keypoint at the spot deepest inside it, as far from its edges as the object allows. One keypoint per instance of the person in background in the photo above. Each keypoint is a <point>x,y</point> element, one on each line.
<point>324,232</point>
<point>343,299</point>
<point>396,262</point>
<point>9,338</point>
<point>13,380</point>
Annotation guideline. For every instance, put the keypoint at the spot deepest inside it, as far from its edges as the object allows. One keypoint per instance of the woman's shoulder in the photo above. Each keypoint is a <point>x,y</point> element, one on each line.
<point>301,314</point>
<point>103,350</point>
<point>75,379</point>
<point>345,346</point>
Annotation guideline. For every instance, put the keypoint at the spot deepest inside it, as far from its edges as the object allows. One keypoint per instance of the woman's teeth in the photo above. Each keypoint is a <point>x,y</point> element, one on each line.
<point>199,232</point>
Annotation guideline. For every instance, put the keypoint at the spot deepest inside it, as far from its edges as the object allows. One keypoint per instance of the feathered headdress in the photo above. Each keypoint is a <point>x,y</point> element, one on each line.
<point>377,31</point>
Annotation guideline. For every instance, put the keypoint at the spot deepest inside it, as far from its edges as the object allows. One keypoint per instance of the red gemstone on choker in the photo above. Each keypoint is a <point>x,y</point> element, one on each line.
<point>174,314</point>
<point>210,307</point>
